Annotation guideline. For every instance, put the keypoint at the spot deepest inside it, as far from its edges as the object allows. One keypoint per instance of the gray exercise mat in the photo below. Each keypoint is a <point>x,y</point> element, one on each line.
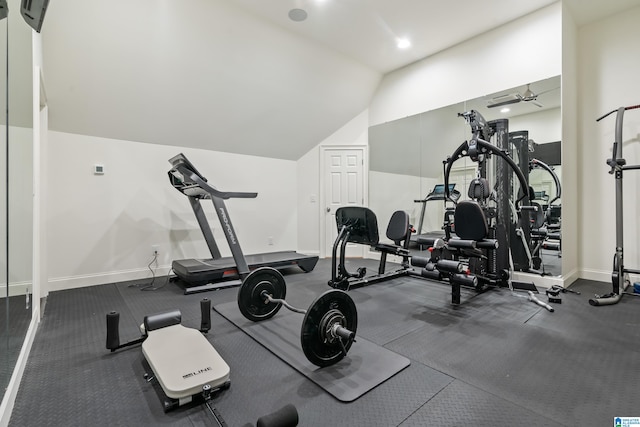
<point>366,366</point>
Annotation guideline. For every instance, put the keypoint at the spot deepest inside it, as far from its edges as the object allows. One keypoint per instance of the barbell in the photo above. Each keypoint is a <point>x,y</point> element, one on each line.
<point>329,324</point>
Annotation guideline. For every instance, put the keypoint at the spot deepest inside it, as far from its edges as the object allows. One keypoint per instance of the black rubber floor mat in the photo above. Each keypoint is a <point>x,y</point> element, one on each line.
<point>366,366</point>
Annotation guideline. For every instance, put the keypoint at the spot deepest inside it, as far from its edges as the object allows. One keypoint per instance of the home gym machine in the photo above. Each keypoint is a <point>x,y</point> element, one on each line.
<point>329,324</point>
<point>490,259</point>
<point>185,364</point>
<point>359,225</point>
<point>201,274</point>
<point>618,164</point>
<point>528,230</point>
<point>545,227</point>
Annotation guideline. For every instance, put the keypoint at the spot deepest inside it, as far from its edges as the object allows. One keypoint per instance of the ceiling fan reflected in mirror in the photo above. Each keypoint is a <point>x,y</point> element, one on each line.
<point>513,98</point>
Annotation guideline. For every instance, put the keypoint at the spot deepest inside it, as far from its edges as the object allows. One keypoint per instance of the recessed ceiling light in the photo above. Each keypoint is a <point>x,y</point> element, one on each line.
<point>297,15</point>
<point>505,110</point>
<point>403,43</point>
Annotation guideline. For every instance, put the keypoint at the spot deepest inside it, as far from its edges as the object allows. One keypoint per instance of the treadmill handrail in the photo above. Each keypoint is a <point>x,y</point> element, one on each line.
<point>198,179</point>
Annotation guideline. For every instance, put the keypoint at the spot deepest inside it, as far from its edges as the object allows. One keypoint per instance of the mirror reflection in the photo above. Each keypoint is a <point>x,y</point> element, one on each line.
<point>6,362</point>
<point>17,186</point>
<point>407,155</point>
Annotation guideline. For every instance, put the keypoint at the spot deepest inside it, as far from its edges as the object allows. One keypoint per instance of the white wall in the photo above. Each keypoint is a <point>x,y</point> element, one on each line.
<point>544,126</point>
<point>532,45</point>
<point>523,51</point>
<point>308,180</point>
<point>197,71</point>
<point>570,146</point>
<point>101,227</point>
<point>608,64</point>
<point>20,212</point>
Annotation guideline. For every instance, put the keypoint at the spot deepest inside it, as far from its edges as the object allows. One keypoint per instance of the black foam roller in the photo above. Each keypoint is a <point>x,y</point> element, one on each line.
<point>449,266</point>
<point>205,311</point>
<point>433,275</point>
<point>113,333</point>
<point>466,280</point>
<point>287,416</point>
<point>419,261</point>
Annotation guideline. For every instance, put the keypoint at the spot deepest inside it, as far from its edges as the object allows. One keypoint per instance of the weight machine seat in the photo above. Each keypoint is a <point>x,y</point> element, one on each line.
<point>397,231</point>
<point>184,361</point>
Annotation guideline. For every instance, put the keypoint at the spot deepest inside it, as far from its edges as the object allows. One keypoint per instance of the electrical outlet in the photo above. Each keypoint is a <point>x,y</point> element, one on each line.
<point>270,241</point>
<point>154,250</point>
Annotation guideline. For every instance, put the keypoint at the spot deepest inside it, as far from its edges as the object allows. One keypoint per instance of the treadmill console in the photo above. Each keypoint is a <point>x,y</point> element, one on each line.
<point>183,183</point>
<point>438,193</point>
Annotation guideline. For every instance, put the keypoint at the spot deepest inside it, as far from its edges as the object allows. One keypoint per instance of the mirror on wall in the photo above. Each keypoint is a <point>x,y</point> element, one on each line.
<point>7,361</point>
<point>406,160</point>
<point>16,184</point>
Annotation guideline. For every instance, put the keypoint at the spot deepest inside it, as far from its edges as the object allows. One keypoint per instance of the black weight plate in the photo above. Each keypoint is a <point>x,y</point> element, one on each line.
<point>252,303</point>
<point>319,351</point>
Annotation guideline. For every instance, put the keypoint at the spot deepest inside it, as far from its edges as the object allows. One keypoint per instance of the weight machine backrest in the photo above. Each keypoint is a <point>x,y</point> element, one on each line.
<point>398,228</point>
<point>361,222</point>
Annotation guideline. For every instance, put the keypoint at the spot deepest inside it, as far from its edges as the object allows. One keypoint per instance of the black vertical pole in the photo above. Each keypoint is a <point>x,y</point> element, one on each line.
<point>519,142</point>
<point>503,186</point>
<point>619,257</point>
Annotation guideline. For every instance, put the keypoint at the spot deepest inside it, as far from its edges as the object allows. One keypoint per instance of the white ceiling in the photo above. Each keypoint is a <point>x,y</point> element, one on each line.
<point>366,30</point>
<point>239,75</point>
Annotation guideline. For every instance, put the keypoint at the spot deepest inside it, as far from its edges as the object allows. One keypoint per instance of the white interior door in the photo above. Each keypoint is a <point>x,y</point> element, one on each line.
<point>343,174</point>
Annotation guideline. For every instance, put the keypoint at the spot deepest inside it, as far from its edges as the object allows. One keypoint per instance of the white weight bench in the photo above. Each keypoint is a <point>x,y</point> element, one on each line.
<point>183,361</point>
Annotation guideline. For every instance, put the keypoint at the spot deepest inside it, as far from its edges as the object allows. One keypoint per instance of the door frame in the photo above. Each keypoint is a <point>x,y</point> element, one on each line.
<point>324,246</point>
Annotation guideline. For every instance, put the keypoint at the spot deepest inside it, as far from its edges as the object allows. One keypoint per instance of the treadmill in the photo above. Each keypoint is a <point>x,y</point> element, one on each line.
<point>218,272</point>
<point>437,194</point>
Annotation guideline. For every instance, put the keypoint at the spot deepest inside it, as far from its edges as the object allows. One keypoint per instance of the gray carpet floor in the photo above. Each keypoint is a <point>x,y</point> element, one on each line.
<point>495,360</point>
<point>15,317</point>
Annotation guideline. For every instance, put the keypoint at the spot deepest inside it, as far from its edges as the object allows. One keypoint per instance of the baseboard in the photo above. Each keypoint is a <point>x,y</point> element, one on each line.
<point>9,399</point>
<point>81,281</point>
<point>596,275</point>
<point>15,289</point>
<point>570,277</point>
<point>604,276</point>
<point>540,281</point>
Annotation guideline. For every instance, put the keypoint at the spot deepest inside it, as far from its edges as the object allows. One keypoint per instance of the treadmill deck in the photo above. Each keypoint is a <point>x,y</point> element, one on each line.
<point>197,272</point>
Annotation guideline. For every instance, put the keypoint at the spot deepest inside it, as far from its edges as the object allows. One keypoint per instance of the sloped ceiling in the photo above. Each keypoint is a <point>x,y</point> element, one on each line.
<point>239,75</point>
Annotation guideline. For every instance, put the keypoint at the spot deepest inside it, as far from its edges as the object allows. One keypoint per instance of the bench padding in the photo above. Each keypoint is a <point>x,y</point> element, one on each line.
<point>183,361</point>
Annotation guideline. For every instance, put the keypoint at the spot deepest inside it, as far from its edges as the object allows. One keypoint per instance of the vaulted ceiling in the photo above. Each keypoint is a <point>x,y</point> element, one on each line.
<point>241,75</point>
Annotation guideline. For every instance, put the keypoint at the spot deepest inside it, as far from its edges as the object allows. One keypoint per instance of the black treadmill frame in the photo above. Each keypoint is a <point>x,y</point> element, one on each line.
<point>186,179</point>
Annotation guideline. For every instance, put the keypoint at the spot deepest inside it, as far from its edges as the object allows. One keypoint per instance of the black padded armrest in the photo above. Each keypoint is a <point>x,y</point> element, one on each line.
<point>162,320</point>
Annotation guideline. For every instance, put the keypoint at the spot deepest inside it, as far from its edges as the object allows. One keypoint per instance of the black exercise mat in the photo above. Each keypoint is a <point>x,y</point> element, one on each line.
<point>366,366</point>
